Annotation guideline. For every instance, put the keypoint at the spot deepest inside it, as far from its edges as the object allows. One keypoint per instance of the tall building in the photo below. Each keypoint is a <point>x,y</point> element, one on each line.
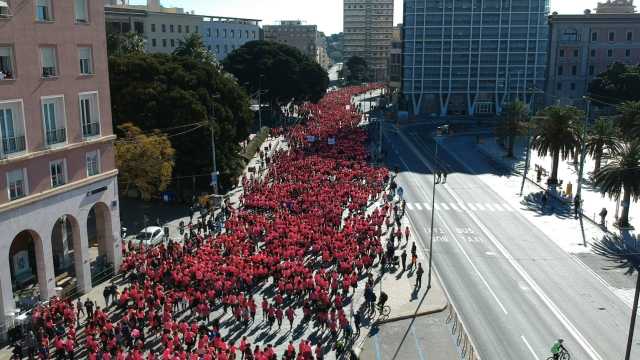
<point>303,37</point>
<point>368,31</point>
<point>395,59</point>
<point>583,46</point>
<point>164,28</point>
<point>59,209</point>
<point>467,57</point>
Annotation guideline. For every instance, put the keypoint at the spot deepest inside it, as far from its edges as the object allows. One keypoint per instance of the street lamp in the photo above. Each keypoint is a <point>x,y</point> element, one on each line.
<point>433,212</point>
<point>214,173</point>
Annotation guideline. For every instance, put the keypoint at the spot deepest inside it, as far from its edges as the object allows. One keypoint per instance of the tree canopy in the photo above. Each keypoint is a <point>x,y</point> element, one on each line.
<point>283,71</point>
<point>356,70</point>
<point>618,84</point>
<point>119,44</point>
<point>183,93</point>
<point>193,47</point>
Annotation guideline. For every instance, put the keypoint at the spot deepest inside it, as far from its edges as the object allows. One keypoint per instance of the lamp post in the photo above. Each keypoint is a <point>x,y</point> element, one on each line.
<point>260,101</point>
<point>433,212</point>
<point>528,157</point>
<point>214,173</point>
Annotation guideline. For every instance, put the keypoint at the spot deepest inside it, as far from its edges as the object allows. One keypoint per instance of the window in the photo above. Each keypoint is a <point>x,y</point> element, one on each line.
<point>6,63</point>
<point>592,70</point>
<point>89,115</point>
<point>173,43</point>
<point>574,70</point>
<point>576,53</point>
<point>164,42</point>
<point>218,49</point>
<point>17,183</point>
<point>246,33</point>
<point>560,70</point>
<point>225,33</point>
<point>58,171</point>
<point>171,28</point>
<point>187,29</point>
<point>81,11</point>
<point>233,34</point>
<point>254,34</point>
<point>218,33</point>
<point>629,35</point>
<point>196,29</point>
<point>594,36</point>
<point>612,36</point>
<point>164,28</point>
<point>593,52</point>
<point>53,117</point>
<point>208,32</point>
<point>86,62</point>
<point>93,163</point>
<point>570,35</point>
<point>43,10</point>
<point>561,52</point>
<point>559,86</point>
<point>11,132</point>
<point>180,28</point>
<point>4,10</point>
<point>610,53</point>
<point>153,42</point>
<point>153,27</point>
<point>48,60</point>
<point>573,86</point>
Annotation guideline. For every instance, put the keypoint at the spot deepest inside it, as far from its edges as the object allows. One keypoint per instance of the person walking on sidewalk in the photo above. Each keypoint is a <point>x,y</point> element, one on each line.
<point>444,176</point>
<point>357,319</point>
<point>403,259</point>
<point>603,217</point>
<point>576,206</point>
<point>419,274</point>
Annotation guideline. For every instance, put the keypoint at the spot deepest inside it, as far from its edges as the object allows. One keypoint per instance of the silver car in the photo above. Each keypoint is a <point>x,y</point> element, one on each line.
<point>149,237</point>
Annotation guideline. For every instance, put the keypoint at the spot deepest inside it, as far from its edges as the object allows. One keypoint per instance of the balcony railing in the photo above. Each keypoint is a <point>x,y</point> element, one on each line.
<point>91,129</point>
<point>56,136</point>
<point>12,145</point>
<point>48,72</point>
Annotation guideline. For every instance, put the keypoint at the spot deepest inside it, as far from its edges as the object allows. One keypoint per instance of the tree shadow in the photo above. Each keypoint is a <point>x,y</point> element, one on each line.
<point>536,203</point>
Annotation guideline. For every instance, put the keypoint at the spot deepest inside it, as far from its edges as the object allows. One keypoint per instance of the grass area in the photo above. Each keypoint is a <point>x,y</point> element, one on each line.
<point>255,143</point>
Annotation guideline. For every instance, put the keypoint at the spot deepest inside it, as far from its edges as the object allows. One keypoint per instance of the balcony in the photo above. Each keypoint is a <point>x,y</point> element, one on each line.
<point>90,129</point>
<point>11,145</point>
<point>56,136</point>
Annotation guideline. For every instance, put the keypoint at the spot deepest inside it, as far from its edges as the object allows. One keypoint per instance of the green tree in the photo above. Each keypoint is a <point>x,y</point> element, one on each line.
<point>163,91</point>
<point>619,83</point>
<point>621,178</point>
<point>557,134</point>
<point>512,123</point>
<point>625,255</point>
<point>629,119</point>
<point>119,44</point>
<point>193,47</point>
<point>356,70</point>
<point>285,73</point>
<point>602,137</point>
<point>145,161</point>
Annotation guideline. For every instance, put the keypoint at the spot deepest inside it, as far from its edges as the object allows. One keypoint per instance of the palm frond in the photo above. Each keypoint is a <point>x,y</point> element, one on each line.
<point>624,254</point>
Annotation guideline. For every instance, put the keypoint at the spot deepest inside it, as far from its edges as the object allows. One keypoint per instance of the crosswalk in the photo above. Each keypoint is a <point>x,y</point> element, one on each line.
<point>460,207</point>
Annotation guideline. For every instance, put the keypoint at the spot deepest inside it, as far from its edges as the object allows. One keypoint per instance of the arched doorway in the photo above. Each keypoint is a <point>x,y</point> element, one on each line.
<point>100,234</point>
<point>23,266</point>
<point>66,250</point>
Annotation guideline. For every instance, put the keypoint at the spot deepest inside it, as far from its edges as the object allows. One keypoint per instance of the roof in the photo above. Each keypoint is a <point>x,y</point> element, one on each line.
<point>594,18</point>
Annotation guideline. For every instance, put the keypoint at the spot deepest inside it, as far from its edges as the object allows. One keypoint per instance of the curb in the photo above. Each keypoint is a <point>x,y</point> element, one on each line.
<point>415,315</point>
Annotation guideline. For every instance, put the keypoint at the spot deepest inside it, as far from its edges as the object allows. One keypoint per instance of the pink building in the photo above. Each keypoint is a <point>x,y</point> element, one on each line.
<point>59,218</point>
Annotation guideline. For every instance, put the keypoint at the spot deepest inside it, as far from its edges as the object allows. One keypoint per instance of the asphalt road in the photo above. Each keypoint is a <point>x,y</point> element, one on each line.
<point>516,290</point>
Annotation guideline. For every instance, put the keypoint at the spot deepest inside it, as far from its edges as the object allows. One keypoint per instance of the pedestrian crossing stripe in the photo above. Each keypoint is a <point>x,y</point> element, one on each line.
<point>426,205</point>
<point>444,206</point>
<point>470,205</point>
<point>460,207</point>
<point>454,207</point>
<point>417,205</point>
<point>480,207</point>
<point>489,207</point>
<point>409,206</point>
<point>500,208</point>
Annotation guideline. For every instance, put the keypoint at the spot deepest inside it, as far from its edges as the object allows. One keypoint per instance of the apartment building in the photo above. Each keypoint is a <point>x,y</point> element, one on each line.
<point>222,35</point>
<point>395,59</point>
<point>295,33</point>
<point>58,181</point>
<point>368,32</point>
<point>583,46</point>
<point>467,57</point>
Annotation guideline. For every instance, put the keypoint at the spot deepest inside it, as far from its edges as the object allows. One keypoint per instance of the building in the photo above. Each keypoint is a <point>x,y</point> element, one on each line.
<point>583,46</point>
<point>164,28</point>
<point>323,56</point>
<point>395,59</point>
<point>59,204</point>
<point>466,57</point>
<point>368,31</point>
<point>303,37</point>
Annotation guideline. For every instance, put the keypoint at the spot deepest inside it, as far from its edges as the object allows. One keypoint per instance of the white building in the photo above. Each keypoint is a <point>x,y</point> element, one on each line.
<point>222,35</point>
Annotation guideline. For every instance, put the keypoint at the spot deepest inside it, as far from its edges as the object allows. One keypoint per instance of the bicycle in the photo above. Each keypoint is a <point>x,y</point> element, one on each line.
<point>564,355</point>
<point>383,313</point>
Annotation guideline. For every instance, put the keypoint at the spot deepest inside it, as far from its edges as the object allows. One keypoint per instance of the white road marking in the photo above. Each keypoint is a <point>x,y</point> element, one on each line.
<point>409,206</point>
<point>524,340</point>
<point>454,207</point>
<point>463,207</point>
<point>418,207</point>
<point>489,207</point>
<point>444,206</point>
<point>427,206</point>
<point>470,205</point>
<point>497,207</point>
<point>480,207</point>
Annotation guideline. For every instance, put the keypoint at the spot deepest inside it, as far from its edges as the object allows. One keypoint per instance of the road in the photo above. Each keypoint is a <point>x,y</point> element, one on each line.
<point>514,287</point>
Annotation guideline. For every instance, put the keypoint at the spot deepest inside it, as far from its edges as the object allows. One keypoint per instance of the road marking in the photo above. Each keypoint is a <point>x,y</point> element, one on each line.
<point>480,207</point>
<point>498,207</point>
<point>409,206</point>
<point>470,205</point>
<point>418,207</point>
<point>524,340</point>
<point>454,207</point>
<point>444,206</point>
<point>427,206</point>
<point>489,207</point>
<point>463,207</point>
<point>413,332</point>
<point>377,343</point>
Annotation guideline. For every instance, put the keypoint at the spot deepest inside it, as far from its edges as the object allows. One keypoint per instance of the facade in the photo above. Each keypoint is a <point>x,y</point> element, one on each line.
<point>395,59</point>
<point>163,28</point>
<point>294,33</point>
<point>58,182</point>
<point>583,46</point>
<point>322,56</point>
<point>368,32</point>
<point>467,57</point>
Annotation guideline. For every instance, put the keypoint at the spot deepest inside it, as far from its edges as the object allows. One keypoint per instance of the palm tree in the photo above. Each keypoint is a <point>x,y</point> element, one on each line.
<point>557,134</point>
<point>621,177</point>
<point>627,256</point>
<point>603,136</point>
<point>193,47</point>
<point>512,124</point>
<point>629,119</point>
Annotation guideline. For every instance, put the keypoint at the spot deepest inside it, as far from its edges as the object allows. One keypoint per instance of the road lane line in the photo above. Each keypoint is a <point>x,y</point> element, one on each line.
<point>463,207</point>
<point>470,205</point>
<point>418,207</point>
<point>443,205</point>
<point>524,340</point>
<point>532,283</point>
<point>454,207</point>
<point>377,344</point>
<point>409,206</point>
<point>418,349</point>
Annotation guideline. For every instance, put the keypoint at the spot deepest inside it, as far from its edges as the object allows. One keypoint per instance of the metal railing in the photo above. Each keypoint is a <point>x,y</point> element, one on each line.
<point>56,136</point>
<point>464,343</point>
<point>90,129</point>
<point>12,145</point>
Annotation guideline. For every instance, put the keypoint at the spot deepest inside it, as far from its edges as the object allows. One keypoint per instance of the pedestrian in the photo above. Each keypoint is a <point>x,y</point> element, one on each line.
<point>357,319</point>
<point>88,305</point>
<point>414,249</point>
<point>406,234</point>
<point>437,177</point>
<point>603,216</point>
<point>576,206</point>
<point>444,176</point>
<point>545,198</point>
<point>414,260</point>
<point>403,259</point>
<point>106,293</point>
<point>79,309</point>
<point>419,276</point>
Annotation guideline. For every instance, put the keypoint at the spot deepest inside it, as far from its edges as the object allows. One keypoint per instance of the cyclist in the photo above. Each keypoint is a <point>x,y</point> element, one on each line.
<point>382,300</point>
<point>557,349</point>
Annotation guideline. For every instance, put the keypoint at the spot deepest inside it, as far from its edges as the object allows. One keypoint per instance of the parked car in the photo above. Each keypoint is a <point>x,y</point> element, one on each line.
<point>149,236</point>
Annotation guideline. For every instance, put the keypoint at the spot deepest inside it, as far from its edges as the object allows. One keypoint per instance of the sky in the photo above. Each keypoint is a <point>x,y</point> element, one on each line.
<point>327,14</point>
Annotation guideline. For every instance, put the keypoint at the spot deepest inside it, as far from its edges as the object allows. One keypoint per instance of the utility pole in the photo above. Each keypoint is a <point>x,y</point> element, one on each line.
<point>583,155</point>
<point>260,101</point>
<point>527,158</point>
<point>433,212</point>
<point>214,173</point>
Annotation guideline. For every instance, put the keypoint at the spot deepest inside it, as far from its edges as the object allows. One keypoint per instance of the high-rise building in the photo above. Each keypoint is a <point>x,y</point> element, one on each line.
<point>467,57</point>
<point>583,46</point>
<point>368,31</point>
<point>395,59</point>
<point>303,37</point>
<point>59,209</point>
